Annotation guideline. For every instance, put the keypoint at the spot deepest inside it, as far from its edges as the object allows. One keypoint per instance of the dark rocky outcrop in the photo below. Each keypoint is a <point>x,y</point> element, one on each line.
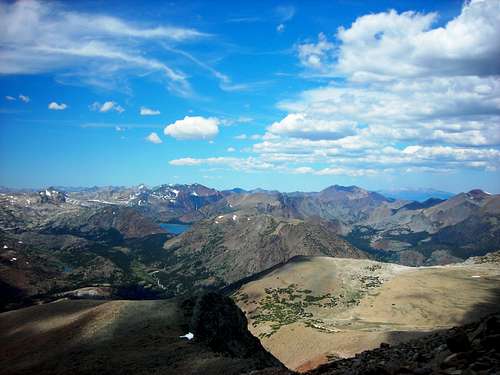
<point>218,323</point>
<point>51,195</point>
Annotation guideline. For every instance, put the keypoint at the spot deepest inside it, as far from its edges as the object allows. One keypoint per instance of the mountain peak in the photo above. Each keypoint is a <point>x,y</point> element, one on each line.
<point>350,193</point>
<point>478,194</point>
<point>349,189</point>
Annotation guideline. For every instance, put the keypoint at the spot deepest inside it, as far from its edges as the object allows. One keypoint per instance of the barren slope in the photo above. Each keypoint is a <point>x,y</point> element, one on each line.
<point>127,337</point>
<point>315,309</point>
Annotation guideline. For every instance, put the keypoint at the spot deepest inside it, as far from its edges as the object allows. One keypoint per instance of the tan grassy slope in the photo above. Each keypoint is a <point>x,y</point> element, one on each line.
<point>315,309</point>
<point>114,337</point>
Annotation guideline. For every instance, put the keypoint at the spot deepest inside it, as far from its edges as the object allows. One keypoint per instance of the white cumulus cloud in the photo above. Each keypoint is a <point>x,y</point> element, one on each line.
<point>301,125</point>
<point>193,127</point>
<point>316,55</point>
<point>388,45</point>
<point>154,138</point>
<point>57,107</point>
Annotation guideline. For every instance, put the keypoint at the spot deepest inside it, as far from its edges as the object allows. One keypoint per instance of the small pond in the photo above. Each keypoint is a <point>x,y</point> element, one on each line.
<point>175,228</point>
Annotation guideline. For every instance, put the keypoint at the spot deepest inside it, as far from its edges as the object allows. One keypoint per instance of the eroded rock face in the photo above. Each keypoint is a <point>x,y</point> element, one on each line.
<point>217,322</point>
<point>51,195</point>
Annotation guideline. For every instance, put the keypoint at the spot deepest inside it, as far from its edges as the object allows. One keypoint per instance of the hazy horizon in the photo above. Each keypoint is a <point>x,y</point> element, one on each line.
<point>247,188</point>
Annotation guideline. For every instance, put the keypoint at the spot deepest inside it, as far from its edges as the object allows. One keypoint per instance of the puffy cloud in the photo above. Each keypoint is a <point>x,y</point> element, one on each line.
<point>389,45</point>
<point>357,162</point>
<point>403,99</point>
<point>38,37</point>
<point>57,107</point>
<point>417,98</point>
<point>280,28</point>
<point>316,55</point>
<point>24,98</point>
<point>193,127</point>
<point>149,112</point>
<point>301,125</point>
<point>106,107</point>
<point>445,109</point>
<point>241,137</point>
<point>186,162</point>
<point>231,149</point>
<point>154,138</point>
<point>10,98</point>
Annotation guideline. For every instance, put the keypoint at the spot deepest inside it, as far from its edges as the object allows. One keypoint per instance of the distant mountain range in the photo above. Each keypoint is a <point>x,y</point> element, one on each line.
<point>274,253</point>
<point>55,240</point>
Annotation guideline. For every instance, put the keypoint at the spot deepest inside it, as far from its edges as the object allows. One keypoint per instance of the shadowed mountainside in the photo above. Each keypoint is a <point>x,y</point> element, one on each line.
<point>130,337</point>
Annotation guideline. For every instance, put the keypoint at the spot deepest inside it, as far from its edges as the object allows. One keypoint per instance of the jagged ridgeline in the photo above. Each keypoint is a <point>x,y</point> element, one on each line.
<point>109,241</point>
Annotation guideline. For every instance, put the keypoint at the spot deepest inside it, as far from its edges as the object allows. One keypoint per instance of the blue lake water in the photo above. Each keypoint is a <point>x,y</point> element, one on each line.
<point>175,228</point>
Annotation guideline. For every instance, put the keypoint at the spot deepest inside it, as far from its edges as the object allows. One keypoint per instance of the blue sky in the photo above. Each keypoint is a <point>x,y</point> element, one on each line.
<point>279,95</point>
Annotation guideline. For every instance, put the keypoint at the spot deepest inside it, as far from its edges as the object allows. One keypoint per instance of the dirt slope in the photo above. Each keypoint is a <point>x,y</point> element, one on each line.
<point>312,310</point>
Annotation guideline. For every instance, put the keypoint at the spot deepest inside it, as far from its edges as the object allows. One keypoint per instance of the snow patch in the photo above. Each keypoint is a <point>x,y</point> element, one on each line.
<point>188,336</point>
<point>475,276</point>
<point>235,217</point>
<point>100,201</point>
